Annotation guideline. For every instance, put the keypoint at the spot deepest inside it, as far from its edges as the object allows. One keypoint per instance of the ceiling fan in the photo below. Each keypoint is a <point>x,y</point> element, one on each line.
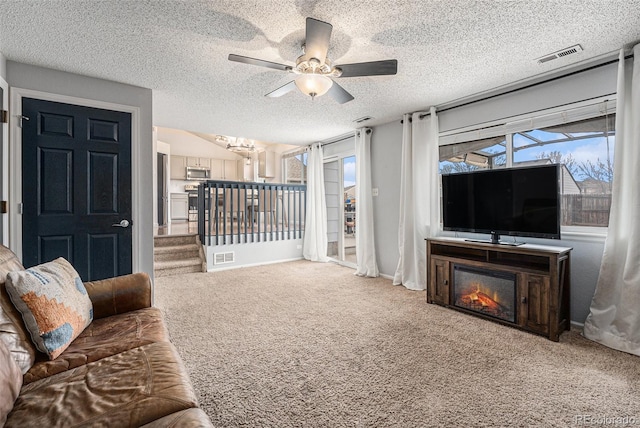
<point>314,69</point>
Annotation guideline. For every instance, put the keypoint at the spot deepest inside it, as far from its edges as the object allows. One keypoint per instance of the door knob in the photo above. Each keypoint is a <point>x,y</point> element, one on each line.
<point>123,224</point>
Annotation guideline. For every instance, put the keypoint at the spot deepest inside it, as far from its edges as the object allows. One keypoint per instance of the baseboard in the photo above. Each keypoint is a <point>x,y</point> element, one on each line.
<point>255,264</point>
<point>577,325</point>
<point>384,275</point>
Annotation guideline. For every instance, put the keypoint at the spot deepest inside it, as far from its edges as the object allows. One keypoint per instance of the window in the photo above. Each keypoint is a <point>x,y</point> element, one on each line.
<point>295,168</point>
<point>584,147</point>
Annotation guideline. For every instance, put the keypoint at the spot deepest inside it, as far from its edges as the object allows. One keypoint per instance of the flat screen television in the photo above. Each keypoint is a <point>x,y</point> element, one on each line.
<point>507,201</point>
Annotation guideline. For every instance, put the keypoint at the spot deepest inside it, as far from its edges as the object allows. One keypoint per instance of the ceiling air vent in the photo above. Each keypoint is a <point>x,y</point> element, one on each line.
<point>222,258</point>
<point>564,52</point>
<point>363,119</point>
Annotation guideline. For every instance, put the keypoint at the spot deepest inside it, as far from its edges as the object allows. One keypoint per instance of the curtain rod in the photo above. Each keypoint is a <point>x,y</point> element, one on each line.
<point>422,116</point>
<point>337,141</point>
<point>593,67</point>
<point>346,137</point>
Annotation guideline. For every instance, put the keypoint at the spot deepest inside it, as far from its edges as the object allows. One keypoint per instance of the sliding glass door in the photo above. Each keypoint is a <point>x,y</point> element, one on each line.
<point>339,177</point>
<point>349,209</point>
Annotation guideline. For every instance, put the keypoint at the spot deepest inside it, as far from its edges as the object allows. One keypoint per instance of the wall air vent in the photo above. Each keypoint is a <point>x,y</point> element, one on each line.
<point>562,53</point>
<point>222,258</point>
<point>363,119</point>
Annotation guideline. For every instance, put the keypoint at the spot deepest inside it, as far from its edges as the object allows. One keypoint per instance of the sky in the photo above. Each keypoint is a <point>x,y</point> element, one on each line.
<point>582,151</point>
<point>589,149</point>
<point>349,171</point>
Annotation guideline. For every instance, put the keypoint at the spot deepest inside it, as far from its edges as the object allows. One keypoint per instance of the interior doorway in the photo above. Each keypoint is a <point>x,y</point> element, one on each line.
<point>77,187</point>
<point>163,189</point>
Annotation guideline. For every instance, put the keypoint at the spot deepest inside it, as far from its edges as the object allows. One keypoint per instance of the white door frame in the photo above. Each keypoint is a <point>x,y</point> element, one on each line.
<point>340,157</point>
<point>15,169</point>
<point>4,192</point>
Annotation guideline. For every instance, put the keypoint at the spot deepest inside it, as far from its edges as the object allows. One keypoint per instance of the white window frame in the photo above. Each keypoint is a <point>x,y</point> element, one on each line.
<point>288,155</point>
<point>573,112</point>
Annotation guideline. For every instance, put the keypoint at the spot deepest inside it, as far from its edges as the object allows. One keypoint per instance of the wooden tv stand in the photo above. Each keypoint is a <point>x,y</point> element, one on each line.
<point>542,279</point>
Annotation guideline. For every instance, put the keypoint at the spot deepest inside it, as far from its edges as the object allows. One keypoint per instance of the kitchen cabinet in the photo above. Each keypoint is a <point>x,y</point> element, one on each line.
<point>230,170</point>
<point>267,164</point>
<point>217,169</point>
<point>199,162</point>
<point>178,167</point>
<point>179,206</point>
<point>224,169</point>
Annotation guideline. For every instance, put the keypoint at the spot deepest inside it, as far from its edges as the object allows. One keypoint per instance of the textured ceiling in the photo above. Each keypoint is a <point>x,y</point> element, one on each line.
<point>445,50</point>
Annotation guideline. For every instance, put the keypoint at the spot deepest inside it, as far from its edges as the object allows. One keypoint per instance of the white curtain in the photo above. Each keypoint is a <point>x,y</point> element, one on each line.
<point>614,319</point>
<point>314,246</point>
<point>365,245</point>
<point>419,198</point>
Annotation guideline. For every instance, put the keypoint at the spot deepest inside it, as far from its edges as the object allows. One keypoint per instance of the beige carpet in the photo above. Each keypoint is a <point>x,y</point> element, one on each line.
<point>305,344</point>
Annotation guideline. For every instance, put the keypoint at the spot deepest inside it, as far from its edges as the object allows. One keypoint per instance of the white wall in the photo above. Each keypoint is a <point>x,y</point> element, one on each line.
<point>57,82</point>
<point>256,253</point>
<point>3,67</point>
<point>386,150</point>
<point>589,84</point>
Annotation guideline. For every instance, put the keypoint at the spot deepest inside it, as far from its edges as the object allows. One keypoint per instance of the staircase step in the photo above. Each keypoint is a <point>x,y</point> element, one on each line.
<point>176,252</point>
<point>174,267</point>
<point>177,270</point>
<point>173,240</point>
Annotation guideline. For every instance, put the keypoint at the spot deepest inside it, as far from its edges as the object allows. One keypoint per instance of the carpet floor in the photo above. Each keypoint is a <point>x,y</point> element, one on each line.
<point>303,344</point>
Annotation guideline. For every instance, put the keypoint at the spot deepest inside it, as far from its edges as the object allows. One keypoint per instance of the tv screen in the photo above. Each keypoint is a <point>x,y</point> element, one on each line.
<point>508,201</point>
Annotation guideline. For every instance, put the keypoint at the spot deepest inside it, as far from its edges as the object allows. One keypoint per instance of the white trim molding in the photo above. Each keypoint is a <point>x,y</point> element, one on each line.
<point>4,191</point>
<point>15,167</point>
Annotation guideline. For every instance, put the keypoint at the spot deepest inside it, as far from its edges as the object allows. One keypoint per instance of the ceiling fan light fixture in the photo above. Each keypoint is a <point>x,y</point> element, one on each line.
<point>222,139</point>
<point>314,66</point>
<point>314,69</point>
<point>313,85</point>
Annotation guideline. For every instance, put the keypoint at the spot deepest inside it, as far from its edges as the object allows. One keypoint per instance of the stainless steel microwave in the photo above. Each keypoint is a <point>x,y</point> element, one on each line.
<point>198,173</point>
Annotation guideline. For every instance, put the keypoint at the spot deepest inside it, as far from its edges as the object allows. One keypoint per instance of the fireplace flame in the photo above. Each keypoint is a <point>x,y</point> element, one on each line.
<point>486,298</point>
<point>478,296</point>
<point>480,290</point>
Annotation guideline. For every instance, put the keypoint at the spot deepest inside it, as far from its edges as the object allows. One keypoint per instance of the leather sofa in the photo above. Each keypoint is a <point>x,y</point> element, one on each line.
<point>121,371</point>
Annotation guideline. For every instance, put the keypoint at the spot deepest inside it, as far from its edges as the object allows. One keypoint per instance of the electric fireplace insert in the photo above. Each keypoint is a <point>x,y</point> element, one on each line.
<point>488,292</point>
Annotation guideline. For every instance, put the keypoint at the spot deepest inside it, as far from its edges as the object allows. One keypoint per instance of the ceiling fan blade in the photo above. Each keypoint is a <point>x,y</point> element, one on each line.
<point>258,62</point>
<point>373,68</point>
<point>339,94</point>
<point>282,90</point>
<point>317,39</point>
